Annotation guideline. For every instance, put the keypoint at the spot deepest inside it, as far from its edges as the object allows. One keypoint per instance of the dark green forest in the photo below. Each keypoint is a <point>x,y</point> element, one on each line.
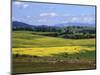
<point>71,32</point>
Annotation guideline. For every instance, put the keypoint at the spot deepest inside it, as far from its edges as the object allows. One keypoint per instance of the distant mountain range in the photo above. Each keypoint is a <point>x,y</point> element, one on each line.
<point>74,24</point>
<point>24,25</point>
<point>20,24</point>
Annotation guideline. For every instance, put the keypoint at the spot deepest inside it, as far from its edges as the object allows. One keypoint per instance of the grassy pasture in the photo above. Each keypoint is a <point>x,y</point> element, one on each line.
<point>38,53</point>
<point>56,62</point>
<point>26,39</point>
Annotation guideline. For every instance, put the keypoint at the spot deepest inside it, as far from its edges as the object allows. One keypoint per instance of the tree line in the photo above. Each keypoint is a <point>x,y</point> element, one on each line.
<point>73,32</point>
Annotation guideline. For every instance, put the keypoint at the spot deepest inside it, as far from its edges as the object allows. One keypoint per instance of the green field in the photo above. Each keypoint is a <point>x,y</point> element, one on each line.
<point>26,39</point>
<point>44,53</point>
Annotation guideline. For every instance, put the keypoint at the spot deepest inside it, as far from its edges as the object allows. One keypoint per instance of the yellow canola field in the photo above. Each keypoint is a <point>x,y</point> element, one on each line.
<point>47,51</point>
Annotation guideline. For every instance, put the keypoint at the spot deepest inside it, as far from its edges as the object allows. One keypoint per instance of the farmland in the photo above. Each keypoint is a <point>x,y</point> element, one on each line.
<point>52,37</point>
<point>29,39</point>
<point>51,50</point>
<point>34,52</point>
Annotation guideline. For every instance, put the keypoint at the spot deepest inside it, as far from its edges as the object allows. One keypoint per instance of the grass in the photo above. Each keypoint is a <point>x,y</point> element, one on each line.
<point>26,39</point>
<point>86,55</point>
<point>57,62</point>
<point>33,52</point>
<point>37,67</point>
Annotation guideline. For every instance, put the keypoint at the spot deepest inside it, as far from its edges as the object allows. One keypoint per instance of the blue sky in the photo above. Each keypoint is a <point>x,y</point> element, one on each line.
<point>49,14</point>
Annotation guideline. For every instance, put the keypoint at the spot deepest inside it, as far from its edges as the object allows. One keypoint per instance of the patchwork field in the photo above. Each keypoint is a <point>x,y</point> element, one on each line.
<point>28,39</point>
<point>48,51</point>
<point>32,50</point>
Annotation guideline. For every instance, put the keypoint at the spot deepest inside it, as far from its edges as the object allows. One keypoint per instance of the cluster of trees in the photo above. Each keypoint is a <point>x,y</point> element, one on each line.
<point>78,32</point>
<point>41,28</point>
<point>74,32</point>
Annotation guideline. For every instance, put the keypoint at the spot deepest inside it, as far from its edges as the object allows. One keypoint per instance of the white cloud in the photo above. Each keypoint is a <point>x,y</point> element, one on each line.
<point>86,19</point>
<point>25,6</point>
<point>21,4</point>
<point>48,14</point>
<point>75,18</point>
<point>28,16</point>
<point>53,14</point>
<point>18,3</point>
